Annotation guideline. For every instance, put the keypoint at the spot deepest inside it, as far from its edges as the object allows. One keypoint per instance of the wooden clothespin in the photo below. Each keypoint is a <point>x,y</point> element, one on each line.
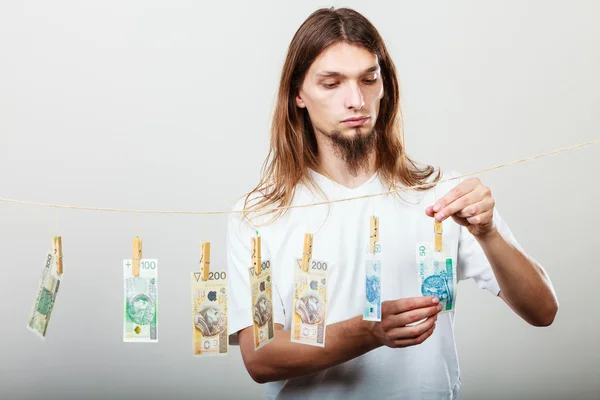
<point>57,249</point>
<point>374,236</point>
<point>205,260</point>
<point>256,254</point>
<point>307,252</point>
<point>136,256</point>
<point>437,229</point>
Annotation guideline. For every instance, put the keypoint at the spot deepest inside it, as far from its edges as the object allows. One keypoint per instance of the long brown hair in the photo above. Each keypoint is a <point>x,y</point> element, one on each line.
<point>293,148</point>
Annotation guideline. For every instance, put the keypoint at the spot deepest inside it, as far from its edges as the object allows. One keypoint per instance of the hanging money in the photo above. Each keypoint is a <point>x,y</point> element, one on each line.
<point>209,314</point>
<point>310,303</point>
<point>372,310</point>
<point>140,298</point>
<point>437,274</point>
<point>45,299</point>
<point>261,286</point>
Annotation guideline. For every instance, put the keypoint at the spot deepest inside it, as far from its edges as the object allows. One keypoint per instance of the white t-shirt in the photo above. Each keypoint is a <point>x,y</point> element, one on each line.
<point>426,371</point>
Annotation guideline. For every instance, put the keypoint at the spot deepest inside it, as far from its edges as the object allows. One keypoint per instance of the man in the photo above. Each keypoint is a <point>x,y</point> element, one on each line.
<point>336,134</point>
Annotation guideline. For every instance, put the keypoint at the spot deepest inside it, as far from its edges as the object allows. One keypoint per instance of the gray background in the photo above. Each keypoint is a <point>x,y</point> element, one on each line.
<point>167,105</point>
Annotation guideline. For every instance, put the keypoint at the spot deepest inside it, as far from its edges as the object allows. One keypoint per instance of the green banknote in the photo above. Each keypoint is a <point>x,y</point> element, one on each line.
<point>437,273</point>
<point>45,299</point>
<point>140,322</point>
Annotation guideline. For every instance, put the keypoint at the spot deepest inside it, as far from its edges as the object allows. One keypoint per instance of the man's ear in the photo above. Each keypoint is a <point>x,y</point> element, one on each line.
<point>299,102</point>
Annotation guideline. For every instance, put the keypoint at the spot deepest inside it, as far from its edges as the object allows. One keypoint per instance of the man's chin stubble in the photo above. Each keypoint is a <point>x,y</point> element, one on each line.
<point>355,150</point>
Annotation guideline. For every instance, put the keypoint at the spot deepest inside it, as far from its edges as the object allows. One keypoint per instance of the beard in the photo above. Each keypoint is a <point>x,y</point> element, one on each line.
<point>355,150</point>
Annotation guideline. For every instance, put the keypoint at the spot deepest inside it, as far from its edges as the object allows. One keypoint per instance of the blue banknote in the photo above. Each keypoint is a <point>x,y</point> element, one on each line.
<point>372,310</point>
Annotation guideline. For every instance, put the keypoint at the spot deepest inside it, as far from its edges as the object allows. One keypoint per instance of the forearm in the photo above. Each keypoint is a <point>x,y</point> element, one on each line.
<point>524,284</point>
<point>283,359</point>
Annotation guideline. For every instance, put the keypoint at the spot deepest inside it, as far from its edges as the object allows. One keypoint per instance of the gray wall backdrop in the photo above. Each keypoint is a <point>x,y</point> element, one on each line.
<point>167,105</point>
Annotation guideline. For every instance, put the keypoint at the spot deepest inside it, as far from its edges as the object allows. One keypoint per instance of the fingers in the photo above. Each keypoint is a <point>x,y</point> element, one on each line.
<point>418,340</point>
<point>481,207</point>
<point>457,192</point>
<point>466,200</point>
<point>429,211</point>
<point>410,332</point>
<point>409,317</point>
<point>413,323</point>
<point>475,196</point>
<point>481,219</point>
<point>411,303</point>
<point>415,316</point>
<point>460,221</point>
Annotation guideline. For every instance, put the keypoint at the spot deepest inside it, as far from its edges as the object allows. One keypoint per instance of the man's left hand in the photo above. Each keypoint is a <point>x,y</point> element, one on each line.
<point>470,204</point>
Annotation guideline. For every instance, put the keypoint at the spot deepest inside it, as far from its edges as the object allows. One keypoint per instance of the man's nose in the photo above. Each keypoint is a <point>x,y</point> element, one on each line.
<point>354,97</point>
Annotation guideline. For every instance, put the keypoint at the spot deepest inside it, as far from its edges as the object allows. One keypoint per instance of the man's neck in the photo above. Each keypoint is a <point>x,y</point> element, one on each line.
<point>335,168</point>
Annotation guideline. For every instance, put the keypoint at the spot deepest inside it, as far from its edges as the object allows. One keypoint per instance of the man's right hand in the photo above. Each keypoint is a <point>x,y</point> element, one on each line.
<point>393,331</point>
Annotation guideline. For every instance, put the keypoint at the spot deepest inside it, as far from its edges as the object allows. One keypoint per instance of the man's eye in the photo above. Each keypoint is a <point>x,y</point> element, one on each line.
<point>370,81</point>
<point>330,85</point>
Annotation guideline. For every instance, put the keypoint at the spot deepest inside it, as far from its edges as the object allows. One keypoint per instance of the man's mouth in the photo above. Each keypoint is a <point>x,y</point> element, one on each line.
<point>355,121</point>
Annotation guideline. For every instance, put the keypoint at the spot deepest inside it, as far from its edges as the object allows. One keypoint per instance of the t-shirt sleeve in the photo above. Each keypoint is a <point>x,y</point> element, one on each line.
<point>472,262</point>
<point>239,233</point>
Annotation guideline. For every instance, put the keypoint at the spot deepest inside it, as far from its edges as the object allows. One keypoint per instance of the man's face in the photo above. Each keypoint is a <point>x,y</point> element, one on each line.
<point>343,83</point>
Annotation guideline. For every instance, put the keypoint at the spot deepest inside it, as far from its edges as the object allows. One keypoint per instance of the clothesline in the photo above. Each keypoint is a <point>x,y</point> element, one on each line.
<point>300,205</point>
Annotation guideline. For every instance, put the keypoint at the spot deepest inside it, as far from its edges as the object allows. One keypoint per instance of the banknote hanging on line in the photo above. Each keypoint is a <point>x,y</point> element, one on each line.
<point>209,308</point>
<point>47,290</point>
<point>261,292</point>
<point>140,297</point>
<point>436,269</point>
<point>372,308</point>
<point>310,297</point>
